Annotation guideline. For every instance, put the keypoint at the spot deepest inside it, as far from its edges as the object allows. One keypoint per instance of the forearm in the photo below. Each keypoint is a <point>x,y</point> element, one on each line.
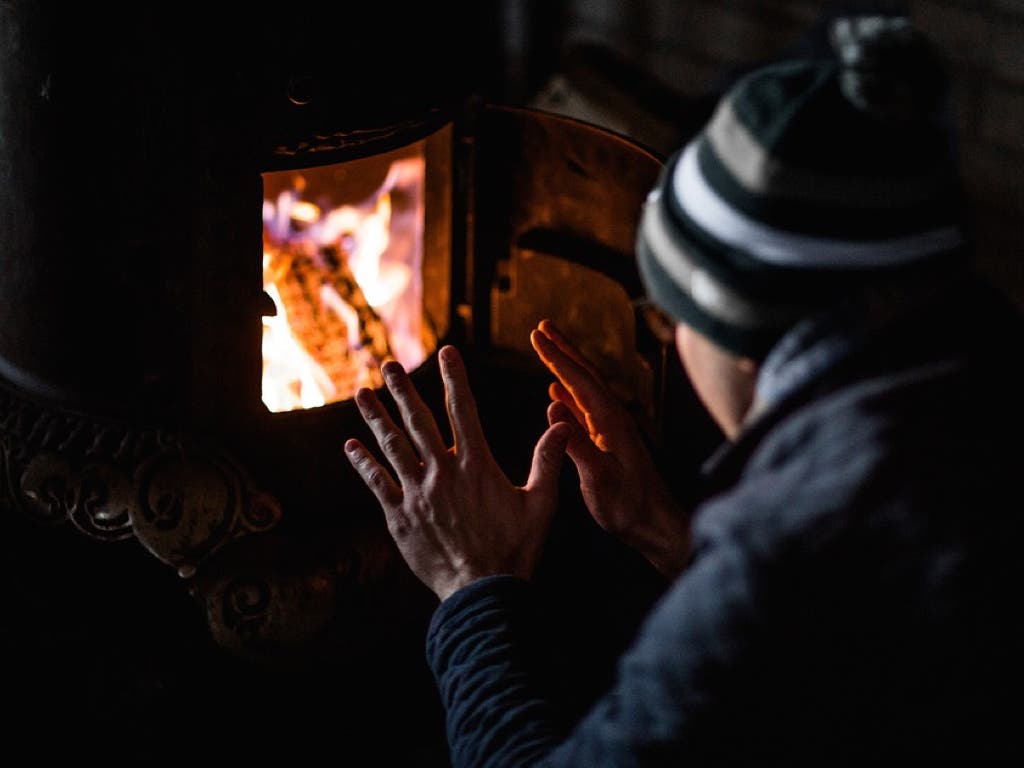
<point>680,670</point>
<point>482,651</point>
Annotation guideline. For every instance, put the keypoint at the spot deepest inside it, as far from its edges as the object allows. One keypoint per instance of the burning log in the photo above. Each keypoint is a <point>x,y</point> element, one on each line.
<point>329,316</point>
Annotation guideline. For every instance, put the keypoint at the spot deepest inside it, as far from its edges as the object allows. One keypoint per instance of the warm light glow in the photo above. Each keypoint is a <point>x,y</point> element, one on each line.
<point>304,212</point>
<point>290,375</point>
<point>344,276</point>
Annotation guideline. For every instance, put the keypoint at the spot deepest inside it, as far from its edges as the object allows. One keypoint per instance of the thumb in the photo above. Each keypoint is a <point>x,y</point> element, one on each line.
<point>589,459</point>
<point>547,460</point>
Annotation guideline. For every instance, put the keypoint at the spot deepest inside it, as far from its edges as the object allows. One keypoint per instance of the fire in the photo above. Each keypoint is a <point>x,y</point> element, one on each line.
<point>344,277</point>
<point>291,378</point>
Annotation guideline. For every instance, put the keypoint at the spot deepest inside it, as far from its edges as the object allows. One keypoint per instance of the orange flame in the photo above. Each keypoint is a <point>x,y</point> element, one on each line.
<point>346,287</point>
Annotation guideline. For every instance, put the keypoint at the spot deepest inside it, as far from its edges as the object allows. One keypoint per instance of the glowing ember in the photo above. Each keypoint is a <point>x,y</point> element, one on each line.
<point>345,278</point>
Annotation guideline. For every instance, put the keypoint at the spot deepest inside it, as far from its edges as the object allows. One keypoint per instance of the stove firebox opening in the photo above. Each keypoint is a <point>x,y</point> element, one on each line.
<point>343,262</point>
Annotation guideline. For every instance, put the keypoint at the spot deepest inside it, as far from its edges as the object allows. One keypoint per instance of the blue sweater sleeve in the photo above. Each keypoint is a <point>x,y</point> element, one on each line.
<point>674,676</point>
<point>480,647</point>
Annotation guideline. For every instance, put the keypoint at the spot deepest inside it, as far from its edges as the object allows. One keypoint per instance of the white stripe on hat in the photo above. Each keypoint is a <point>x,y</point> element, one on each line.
<point>711,295</point>
<point>776,246</point>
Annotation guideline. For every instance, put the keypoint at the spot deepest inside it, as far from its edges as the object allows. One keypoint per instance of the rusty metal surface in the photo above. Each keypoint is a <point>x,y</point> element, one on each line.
<point>558,202</point>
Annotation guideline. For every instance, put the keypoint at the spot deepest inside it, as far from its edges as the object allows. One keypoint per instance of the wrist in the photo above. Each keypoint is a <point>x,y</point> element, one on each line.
<point>457,584</point>
<point>668,560</point>
<point>664,538</point>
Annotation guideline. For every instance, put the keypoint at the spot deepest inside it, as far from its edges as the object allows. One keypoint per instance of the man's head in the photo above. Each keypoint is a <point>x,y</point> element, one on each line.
<point>813,178</point>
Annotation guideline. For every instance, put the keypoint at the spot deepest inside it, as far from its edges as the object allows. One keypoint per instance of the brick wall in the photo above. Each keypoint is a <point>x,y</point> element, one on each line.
<point>694,46</point>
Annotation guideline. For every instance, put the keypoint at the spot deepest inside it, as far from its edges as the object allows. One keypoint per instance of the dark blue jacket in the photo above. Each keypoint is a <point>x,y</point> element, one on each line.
<point>855,585</point>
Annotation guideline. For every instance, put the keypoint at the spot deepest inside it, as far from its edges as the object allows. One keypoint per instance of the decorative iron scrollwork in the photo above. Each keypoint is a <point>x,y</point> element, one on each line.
<point>96,498</point>
<point>268,606</point>
<point>245,606</point>
<point>190,503</point>
<point>113,482</point>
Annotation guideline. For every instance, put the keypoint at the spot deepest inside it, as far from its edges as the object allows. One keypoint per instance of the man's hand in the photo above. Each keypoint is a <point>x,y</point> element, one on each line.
<point>454,515</point>
<point>618,479</point>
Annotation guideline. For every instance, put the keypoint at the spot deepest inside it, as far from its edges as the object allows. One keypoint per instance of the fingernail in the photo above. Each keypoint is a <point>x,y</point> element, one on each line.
<point>390,370</point>
<point>352,446</point>
<point>450,361</point>
<point>364,398</point>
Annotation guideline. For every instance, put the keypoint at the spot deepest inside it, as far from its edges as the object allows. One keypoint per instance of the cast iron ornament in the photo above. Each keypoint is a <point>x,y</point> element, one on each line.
<point>113,481</point>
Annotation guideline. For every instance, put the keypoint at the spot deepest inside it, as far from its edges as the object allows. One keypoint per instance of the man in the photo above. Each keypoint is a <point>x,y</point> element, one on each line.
<point>848,589</point>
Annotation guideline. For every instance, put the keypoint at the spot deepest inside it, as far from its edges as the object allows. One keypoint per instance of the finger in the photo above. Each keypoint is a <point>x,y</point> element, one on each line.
<point>585,388</point>
<point>389,437</point>
<point>418,420</point>
<point>587,456</point>
<point>462,412</point>
<point>373,473</point>
<point>559,413</point>
<point>547,461</point>
<point>561,395</point>
<point>549,329</point>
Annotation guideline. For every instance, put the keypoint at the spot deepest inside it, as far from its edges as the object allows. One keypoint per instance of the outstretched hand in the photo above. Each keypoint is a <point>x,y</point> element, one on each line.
<point>618,479</point>
<point>452,512</point>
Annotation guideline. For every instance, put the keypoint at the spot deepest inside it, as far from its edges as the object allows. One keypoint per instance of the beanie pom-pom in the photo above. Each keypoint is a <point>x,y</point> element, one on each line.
<point>888,69</point>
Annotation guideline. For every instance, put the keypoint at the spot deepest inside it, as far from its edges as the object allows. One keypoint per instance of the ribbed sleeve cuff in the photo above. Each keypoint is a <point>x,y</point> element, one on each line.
<point>470,610</point>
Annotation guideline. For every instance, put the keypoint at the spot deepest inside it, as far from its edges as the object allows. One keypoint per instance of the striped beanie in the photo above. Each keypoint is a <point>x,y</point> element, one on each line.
<point>811,178</point>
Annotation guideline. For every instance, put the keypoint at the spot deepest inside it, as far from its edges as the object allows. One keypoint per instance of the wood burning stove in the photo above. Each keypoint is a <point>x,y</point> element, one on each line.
<point>180,372</point>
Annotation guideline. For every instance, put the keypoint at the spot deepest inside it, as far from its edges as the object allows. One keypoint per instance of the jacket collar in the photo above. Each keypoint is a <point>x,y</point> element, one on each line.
<point>821,353</point>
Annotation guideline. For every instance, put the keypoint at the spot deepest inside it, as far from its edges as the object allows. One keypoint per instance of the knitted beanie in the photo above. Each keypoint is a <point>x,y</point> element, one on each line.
<point>811,178</point>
